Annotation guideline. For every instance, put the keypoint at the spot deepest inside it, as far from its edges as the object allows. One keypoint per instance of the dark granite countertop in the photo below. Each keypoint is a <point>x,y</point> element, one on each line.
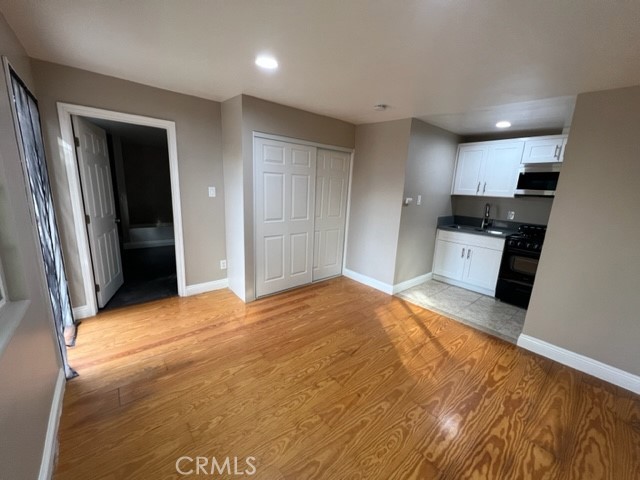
<point>498,228</point>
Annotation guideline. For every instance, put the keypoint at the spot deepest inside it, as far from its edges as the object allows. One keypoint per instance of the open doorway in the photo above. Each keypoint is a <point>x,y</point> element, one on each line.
<point>124,187</point>
<point>133,246</point>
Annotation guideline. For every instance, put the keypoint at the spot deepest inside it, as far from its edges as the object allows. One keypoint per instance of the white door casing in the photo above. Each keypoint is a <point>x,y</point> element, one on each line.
<point>284,189</point>
<point>332,181</point>
<point>99,205</point>
<point>67,161</point>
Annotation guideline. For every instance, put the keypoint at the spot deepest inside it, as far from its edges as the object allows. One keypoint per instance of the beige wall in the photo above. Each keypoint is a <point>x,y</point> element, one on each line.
<point>29,357</point>
<point>234,193</point>
<point>585,297</point>
<point>198,127</point>
<point>527,210</point>
<point>430,164</point>
<point>268,117</point>
<point>376,198</point>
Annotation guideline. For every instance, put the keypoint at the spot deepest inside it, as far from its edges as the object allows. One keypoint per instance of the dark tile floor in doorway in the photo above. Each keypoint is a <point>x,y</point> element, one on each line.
<point>149,274</point>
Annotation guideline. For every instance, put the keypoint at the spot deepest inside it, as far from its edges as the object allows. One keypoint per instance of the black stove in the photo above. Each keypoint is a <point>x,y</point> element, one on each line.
<point>519,264</point>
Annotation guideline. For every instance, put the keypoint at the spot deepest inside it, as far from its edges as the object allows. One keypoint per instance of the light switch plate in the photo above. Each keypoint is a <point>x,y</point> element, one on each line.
<point>419,201</point>
<point>212,191</point>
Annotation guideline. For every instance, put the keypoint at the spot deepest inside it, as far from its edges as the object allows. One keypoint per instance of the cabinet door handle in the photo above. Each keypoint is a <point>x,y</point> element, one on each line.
<point>478,189</point>
<point>462,256</point>
<point>557,152</point>
<point>468,253</point>
<point>484,189</point>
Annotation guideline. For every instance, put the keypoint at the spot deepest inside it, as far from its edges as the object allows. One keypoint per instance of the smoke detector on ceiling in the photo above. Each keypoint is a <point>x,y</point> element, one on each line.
<point>381,107</point>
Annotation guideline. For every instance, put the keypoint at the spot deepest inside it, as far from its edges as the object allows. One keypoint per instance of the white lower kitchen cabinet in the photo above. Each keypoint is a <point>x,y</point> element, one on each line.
<point>467,260</point>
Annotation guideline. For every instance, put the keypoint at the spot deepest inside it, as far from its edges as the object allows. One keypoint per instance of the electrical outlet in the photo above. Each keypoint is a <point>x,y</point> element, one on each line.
<point>511,215</point>
<point>223,264</point>
<point>212,191</point>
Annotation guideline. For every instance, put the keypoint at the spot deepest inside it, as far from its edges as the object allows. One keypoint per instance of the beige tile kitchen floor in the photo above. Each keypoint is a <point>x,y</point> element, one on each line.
<point>479,311</point>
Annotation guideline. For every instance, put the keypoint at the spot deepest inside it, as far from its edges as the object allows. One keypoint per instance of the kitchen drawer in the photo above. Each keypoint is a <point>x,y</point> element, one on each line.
<point>472,240</point>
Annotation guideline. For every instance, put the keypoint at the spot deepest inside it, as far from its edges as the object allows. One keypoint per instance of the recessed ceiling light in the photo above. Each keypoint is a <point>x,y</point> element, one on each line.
<point>266,61</point>
<point>503,124</point>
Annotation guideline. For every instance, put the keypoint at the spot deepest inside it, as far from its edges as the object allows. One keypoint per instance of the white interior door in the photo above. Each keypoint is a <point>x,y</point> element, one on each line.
<point>284,182</point>
<point>99,206</point>
<point>332,181</point>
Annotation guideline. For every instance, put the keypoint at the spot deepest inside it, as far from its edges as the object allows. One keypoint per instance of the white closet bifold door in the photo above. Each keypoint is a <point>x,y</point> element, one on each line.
<point>332,181</point>
<point>284,190</point>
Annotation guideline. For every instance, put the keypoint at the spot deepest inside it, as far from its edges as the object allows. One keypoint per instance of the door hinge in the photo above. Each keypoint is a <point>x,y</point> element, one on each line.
<point>87,219</point>
<point>76,140</point>
<point>97,288</point>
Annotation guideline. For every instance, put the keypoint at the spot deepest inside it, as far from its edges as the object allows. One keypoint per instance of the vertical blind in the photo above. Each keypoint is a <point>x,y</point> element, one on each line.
<point>28,119</point>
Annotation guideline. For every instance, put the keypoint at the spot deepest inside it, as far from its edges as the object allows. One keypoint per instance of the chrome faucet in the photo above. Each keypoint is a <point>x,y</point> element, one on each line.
<point>486,221</point>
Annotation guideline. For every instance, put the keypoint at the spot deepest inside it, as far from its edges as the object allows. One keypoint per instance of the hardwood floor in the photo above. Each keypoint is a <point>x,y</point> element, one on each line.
<point>331,381</point>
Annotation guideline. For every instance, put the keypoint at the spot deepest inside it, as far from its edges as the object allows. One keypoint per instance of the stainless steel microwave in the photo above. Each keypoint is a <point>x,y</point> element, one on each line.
<point>538,180</point>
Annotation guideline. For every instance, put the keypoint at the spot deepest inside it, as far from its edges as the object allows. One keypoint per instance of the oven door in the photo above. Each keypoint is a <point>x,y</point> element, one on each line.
<point>519,265</point>
<point>517,273</point>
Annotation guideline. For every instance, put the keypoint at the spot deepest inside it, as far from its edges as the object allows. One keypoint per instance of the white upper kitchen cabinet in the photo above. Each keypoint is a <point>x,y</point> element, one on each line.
<point>469,168</point>
<point>501,171</point>
<point>488,168</point>
<point>564,147</point>
<point>549,149</point>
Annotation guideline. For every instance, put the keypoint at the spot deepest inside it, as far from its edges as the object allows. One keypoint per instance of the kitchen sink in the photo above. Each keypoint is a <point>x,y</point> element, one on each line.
<point>469,227</point>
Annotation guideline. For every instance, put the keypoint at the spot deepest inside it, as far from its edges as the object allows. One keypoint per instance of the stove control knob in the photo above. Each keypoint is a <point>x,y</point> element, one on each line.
<point>536,247</point>
<point>519,244</point>
<point>528,245</point>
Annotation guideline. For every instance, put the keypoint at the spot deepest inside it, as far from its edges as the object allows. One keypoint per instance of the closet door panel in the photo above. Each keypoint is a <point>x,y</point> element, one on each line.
<point>284,181</point>
<point>332,183</point>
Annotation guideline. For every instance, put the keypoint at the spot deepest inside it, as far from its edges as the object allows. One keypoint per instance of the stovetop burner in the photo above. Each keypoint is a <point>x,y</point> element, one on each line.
<point>529,237</point>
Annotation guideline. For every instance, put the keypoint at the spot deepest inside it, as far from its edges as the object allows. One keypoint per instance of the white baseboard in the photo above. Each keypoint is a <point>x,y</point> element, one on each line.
<point>588,365</point>
<point>399,287</point>
<point>83,311</point>
<point>50,441</point>
<point>206,287</point>
<point>368,281</point>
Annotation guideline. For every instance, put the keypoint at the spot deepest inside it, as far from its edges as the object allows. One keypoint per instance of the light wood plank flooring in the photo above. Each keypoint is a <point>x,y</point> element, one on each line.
<point>331,381</point>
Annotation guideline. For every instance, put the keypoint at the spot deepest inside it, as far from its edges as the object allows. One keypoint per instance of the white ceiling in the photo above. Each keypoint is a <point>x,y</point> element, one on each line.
<point>456,62</point>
